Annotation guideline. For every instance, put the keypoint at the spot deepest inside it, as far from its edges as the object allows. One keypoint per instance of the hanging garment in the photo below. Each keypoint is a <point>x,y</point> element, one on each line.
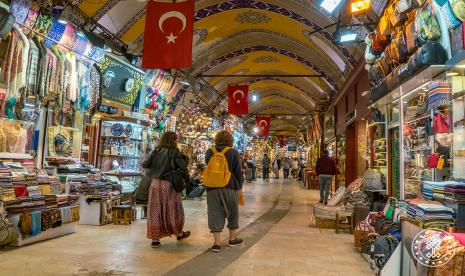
<point>84,83</point>
<point>95,87</point>
<point>32,69</point>
<point>24,60</point>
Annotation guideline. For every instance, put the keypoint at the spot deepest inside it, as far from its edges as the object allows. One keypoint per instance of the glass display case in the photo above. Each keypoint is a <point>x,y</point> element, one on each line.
<point>341,159</point>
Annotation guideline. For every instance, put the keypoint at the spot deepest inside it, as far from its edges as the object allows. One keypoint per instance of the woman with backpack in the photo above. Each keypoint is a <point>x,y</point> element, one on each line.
<point>165,213</point>
<point>223,178</point>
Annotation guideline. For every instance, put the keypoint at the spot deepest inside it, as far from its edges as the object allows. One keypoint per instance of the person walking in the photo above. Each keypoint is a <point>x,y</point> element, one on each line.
<point>295,168</point>
<point>165,213</point>
<point>254,168</point>
<point>223,203</point>
<point>276,167</point>
<point>249,169</point>
<point>266,167</point>
<point>325,169</point>
<point>286,168</point>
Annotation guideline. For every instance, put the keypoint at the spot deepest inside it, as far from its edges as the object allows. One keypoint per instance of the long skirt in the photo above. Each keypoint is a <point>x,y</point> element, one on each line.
<point>165,214</point>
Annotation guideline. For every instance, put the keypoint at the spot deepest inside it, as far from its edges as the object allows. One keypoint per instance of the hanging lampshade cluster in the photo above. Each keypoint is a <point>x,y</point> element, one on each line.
<point>195,124</point>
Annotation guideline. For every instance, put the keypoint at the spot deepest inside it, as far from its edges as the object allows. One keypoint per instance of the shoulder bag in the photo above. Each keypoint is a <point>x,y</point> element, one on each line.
<point>405,6</point>
<point>427,25</point>
<point>177,176</point>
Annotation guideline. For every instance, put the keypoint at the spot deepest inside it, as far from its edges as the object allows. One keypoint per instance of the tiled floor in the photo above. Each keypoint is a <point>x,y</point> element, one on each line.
<point>276,222</point>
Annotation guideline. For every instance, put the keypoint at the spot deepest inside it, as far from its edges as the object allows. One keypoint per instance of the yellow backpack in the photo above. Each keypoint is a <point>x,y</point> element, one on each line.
<point>217,174</point>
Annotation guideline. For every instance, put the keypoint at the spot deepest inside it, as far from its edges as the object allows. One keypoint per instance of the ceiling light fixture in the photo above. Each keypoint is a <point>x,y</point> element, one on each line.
<point>254,98</point>
<point>348,37</point>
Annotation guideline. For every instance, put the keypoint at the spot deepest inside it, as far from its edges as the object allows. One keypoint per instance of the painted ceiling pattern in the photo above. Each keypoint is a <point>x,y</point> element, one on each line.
<point>253,37</point>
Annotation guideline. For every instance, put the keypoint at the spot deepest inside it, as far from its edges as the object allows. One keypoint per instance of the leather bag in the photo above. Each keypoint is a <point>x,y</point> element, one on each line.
<point>401,45</point>
<point>384,25</point>
<point>8,232</point>
<point>458,6</point>
<point>405,6</point>
<point>177,177</point>
<point>6,22</point>
<point>427,25</point>
<point>432,53</point>
<point>410,35</point>
<point>396,18</point>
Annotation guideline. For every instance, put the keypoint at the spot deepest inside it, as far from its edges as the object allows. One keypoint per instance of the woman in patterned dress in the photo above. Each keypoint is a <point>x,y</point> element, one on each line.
<point>165,211</point>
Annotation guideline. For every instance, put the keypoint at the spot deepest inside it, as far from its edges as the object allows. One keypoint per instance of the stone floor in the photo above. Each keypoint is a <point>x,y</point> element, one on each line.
<point>276,224</point>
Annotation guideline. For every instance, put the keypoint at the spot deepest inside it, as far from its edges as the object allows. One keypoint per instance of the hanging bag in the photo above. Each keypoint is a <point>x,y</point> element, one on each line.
<point>441,123</point>
<point>433,160</point>
<point>8,232</point>
<point>405,6</point>
<point>427,25</point>
<point>177,177</point>
<point>458,7</point>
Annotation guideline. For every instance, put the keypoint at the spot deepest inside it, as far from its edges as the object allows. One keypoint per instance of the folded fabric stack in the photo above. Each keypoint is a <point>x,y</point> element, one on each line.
<point>52,181</point>
<point>93,184</point>
<point>62,200</point>
<point>6,185</point>
<point>431,213</point>
<point>25,204</point>
<point>434,190</point>
<point>51,202</point>
<point>73,200</point>
<point>455,192</point>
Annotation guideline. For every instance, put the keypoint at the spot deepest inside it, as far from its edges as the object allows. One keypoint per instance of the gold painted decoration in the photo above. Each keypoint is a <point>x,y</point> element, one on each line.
<point>252,17</point>
<point>121,82</point>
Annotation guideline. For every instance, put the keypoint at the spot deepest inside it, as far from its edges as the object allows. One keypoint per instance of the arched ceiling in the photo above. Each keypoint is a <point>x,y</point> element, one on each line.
<point>249,37</point>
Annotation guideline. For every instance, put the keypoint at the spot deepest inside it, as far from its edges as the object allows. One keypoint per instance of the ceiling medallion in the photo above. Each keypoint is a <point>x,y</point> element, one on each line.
<point>266,59</point>
<point>307,34</point>
<point>252,17</point>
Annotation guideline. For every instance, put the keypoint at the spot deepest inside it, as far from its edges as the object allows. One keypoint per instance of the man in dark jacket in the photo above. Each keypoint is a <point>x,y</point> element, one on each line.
<point>223,203</point>
<point>266,167</point>
<point>326,169</point>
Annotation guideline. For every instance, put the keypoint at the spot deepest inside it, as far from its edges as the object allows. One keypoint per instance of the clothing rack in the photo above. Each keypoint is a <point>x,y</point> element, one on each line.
<point>57,42</point>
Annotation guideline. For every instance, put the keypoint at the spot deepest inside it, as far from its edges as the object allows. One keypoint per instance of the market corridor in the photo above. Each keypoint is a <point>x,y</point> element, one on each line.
<point>276,224</point>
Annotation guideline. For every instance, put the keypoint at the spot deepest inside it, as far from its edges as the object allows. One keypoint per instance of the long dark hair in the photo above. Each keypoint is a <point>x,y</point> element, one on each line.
<point>168,140</point>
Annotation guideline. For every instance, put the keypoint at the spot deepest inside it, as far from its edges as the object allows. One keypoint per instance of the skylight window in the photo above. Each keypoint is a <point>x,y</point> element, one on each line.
<point>330,5</point>
<point>330,52</point>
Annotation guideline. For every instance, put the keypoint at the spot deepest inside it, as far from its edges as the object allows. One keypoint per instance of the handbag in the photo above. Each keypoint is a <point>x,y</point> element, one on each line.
<point>427,25</point>
<point>8,232</point>
<point>379,42</point>
<point>384,25</point>
<point>6,22</point>
<point>141,194</point>
<point>401,45</point>
<point>410,34</point>
<point>177,177</point>
<point>433,160</point>
<point>396,18</point>
<point>441,123</point>
<point>448,14</point>
<point>405,6</point>
<point>432,53</point>
<point>441,162</point>
<point>458,7</point>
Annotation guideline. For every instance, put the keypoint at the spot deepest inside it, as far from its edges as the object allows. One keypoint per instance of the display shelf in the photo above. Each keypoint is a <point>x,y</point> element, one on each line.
<point>119,156</point>
<point>66,128</point>
<point>65,229</point>
<point>376,123</point>
<point>124,174</point>
<point>121,137</point>
<point>10,155</point>
<point>418,119</point>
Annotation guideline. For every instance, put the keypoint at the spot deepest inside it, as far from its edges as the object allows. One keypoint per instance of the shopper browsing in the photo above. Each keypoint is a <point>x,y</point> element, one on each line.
<point>295,168</point>
<point>286,168</point>
<point>195,188</point>
<point>223,178</point>
<point>165,214</point>
<point>326,169</point>
<point>266,167</point>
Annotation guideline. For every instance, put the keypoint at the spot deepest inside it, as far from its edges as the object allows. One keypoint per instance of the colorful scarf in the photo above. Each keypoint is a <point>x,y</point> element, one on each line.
<point>46,220</point>
<point>36,223</point>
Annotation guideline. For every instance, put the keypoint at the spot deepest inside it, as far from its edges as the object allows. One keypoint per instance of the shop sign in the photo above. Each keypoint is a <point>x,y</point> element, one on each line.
<point>351,117</point>
<point>291,148</point>
<point>108,109</point>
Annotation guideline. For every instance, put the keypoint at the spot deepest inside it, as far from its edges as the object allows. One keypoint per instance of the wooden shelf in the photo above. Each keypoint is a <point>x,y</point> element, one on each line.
<point>120,156</point>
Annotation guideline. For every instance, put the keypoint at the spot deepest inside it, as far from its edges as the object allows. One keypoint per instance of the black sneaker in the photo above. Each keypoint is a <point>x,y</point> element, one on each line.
<point>184,235</point>
<point>156,244</point>
<point>216,248</point>
<point>235,243</point>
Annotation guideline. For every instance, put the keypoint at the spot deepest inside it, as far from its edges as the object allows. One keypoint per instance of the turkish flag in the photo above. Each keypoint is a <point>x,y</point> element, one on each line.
<point>169,29</point>
<point>263,125</point>
<point>281,141</point>
<point>238,99</point>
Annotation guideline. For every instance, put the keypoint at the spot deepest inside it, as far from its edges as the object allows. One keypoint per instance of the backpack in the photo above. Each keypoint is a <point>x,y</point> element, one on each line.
<point>217,174</point>
<point>383,248</point>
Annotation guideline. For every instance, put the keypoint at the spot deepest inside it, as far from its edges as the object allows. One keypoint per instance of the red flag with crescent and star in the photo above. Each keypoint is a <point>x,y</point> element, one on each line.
<point>168,35</point>
<point>263,126</point>
<point>238,99</point>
